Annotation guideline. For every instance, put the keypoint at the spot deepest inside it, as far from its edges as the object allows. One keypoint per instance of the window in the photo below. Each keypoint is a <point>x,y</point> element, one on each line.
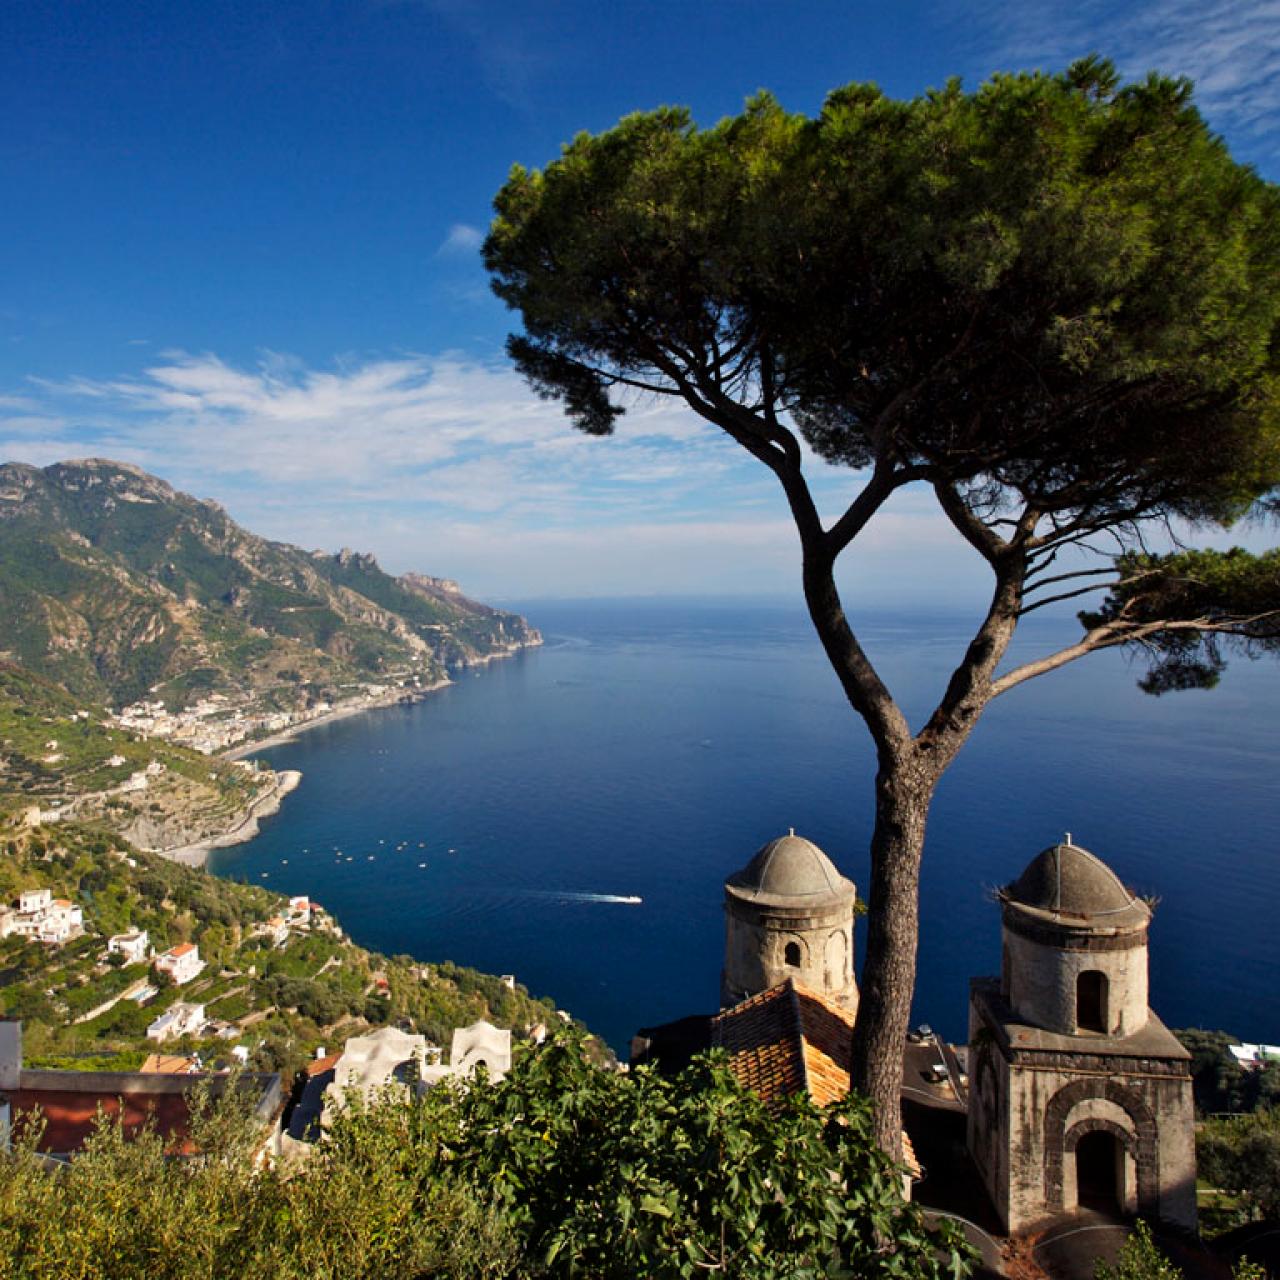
<point>792,954</point>
<point>1091,1001</point>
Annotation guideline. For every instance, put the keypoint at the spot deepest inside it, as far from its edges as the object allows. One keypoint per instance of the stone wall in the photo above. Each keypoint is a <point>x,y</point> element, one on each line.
<point>1041,980</point>
<point>757,938</point>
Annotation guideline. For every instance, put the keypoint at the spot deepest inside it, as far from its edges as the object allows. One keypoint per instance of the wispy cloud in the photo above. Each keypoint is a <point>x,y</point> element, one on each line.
<point>462,240</point>
<point>510,60</point>
<point>452,465</point>
<point>1229,48</point>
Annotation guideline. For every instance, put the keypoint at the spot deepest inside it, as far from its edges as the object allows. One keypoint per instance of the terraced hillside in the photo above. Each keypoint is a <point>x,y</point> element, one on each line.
<point>60,754</point>
<point>277,982</point>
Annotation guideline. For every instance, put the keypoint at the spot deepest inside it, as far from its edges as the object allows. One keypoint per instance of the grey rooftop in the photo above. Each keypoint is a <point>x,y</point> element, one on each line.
<point>1065,880</point>
<point>790,867</point>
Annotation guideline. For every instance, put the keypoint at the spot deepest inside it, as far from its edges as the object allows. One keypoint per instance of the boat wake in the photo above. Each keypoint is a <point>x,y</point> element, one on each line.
<point>571,895</point>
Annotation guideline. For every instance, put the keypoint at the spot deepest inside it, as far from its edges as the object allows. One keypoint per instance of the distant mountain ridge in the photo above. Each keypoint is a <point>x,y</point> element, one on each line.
<point>117,586</point>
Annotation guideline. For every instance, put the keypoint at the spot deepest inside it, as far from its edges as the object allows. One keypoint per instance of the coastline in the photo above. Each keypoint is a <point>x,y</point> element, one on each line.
<point>195,855</point>
<point>246,827</point>
<point>344,711</point>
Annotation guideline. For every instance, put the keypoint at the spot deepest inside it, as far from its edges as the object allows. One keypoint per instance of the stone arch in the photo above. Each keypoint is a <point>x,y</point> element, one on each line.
<point>1141,1144</point>
<point>793,953</point>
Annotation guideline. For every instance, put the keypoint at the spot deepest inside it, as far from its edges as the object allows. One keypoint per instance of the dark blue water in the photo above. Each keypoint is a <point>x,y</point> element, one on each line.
<point>650,749</point>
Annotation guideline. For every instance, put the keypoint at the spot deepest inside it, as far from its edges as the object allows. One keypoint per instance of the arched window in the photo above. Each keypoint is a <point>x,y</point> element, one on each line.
<point>791,954</point>
<point>1091,1001</point>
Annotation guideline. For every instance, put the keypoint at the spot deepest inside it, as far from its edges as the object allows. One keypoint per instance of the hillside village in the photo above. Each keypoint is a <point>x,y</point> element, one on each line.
<point>108,952</point>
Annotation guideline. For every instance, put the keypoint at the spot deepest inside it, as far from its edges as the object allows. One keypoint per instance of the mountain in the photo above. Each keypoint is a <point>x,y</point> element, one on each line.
<point>117,587</point>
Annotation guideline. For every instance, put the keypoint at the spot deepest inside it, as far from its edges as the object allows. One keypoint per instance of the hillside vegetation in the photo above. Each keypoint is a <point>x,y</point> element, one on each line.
<point>60,755</point>
<point>278,998</point>
<point>115,586</point>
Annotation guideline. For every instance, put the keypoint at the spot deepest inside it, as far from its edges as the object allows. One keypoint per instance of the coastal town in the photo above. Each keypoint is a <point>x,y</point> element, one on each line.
<point>217,723</point>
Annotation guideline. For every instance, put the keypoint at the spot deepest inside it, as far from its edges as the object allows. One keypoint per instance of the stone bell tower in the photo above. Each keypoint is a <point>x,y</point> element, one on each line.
<point>789,914</point>
<point>1079,1095</point>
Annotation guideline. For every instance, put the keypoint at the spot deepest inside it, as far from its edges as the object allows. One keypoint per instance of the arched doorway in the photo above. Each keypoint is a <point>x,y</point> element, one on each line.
<point>1100,1172</point>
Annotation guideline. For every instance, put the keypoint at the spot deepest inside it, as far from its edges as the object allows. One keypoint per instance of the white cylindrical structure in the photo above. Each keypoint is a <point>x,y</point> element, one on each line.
<point>1075,946</point>
<point>789,914</point>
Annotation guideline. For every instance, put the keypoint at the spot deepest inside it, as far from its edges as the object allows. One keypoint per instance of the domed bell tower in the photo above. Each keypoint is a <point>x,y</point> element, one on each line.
<point>1079,1096</point>
<point>789,914</point>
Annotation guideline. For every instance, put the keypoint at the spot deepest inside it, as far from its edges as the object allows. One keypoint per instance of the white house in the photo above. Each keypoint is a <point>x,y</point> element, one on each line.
<point>180,1019</point>
<point>181,963</point>
<point>35,900</point>
<point>1254,1056</point>
<point>133,946</point>
<point>277,930</point>
<point>43,917</point>
<point>62,920</point>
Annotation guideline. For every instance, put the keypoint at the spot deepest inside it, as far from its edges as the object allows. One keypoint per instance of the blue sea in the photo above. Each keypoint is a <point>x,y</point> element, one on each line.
<point>649,748</point>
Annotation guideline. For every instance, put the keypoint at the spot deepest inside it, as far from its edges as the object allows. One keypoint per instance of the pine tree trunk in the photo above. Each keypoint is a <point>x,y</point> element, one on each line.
<point>907,775</point>
<point>903,795</point>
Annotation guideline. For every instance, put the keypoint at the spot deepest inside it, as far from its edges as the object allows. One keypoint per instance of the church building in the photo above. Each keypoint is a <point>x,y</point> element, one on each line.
<point>1077,1097</point>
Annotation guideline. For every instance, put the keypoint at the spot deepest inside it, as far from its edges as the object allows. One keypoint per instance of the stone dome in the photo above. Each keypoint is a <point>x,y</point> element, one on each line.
<point>790,868</point>
<point>1073,886</point>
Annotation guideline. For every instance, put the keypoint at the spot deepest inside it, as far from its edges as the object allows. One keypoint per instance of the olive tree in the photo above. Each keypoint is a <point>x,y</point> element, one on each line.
<point>1051,303</point>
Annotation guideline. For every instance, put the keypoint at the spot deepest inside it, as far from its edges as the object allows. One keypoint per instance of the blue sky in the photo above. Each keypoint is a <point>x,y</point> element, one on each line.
<point>238,246</point>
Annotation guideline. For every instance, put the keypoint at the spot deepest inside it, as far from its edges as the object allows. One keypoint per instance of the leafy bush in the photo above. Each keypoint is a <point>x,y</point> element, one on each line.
<point>1241,1155</point>
<point>621,1175</point>
<point>560,1170</point>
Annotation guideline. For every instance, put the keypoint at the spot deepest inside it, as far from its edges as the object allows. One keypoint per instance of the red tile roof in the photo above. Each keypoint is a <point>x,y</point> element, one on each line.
<point>181,949</point>
<point>320,1065</point>
<point>70,1115</point>
<point>788,1040</point>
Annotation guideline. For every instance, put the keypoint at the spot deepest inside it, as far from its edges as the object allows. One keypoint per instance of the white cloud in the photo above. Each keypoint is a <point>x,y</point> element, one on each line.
<point>1229,48</point>
<point>452,466</point>
<point>461,240</point>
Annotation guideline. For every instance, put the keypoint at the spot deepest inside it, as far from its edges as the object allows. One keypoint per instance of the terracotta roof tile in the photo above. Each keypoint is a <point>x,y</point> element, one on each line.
<point>320,1065</point>
<point>787,1040</point>
<point>790,1039</point>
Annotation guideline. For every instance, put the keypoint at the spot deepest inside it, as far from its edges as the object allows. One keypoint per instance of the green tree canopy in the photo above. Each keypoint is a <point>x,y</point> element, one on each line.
<point>1051,302</point>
